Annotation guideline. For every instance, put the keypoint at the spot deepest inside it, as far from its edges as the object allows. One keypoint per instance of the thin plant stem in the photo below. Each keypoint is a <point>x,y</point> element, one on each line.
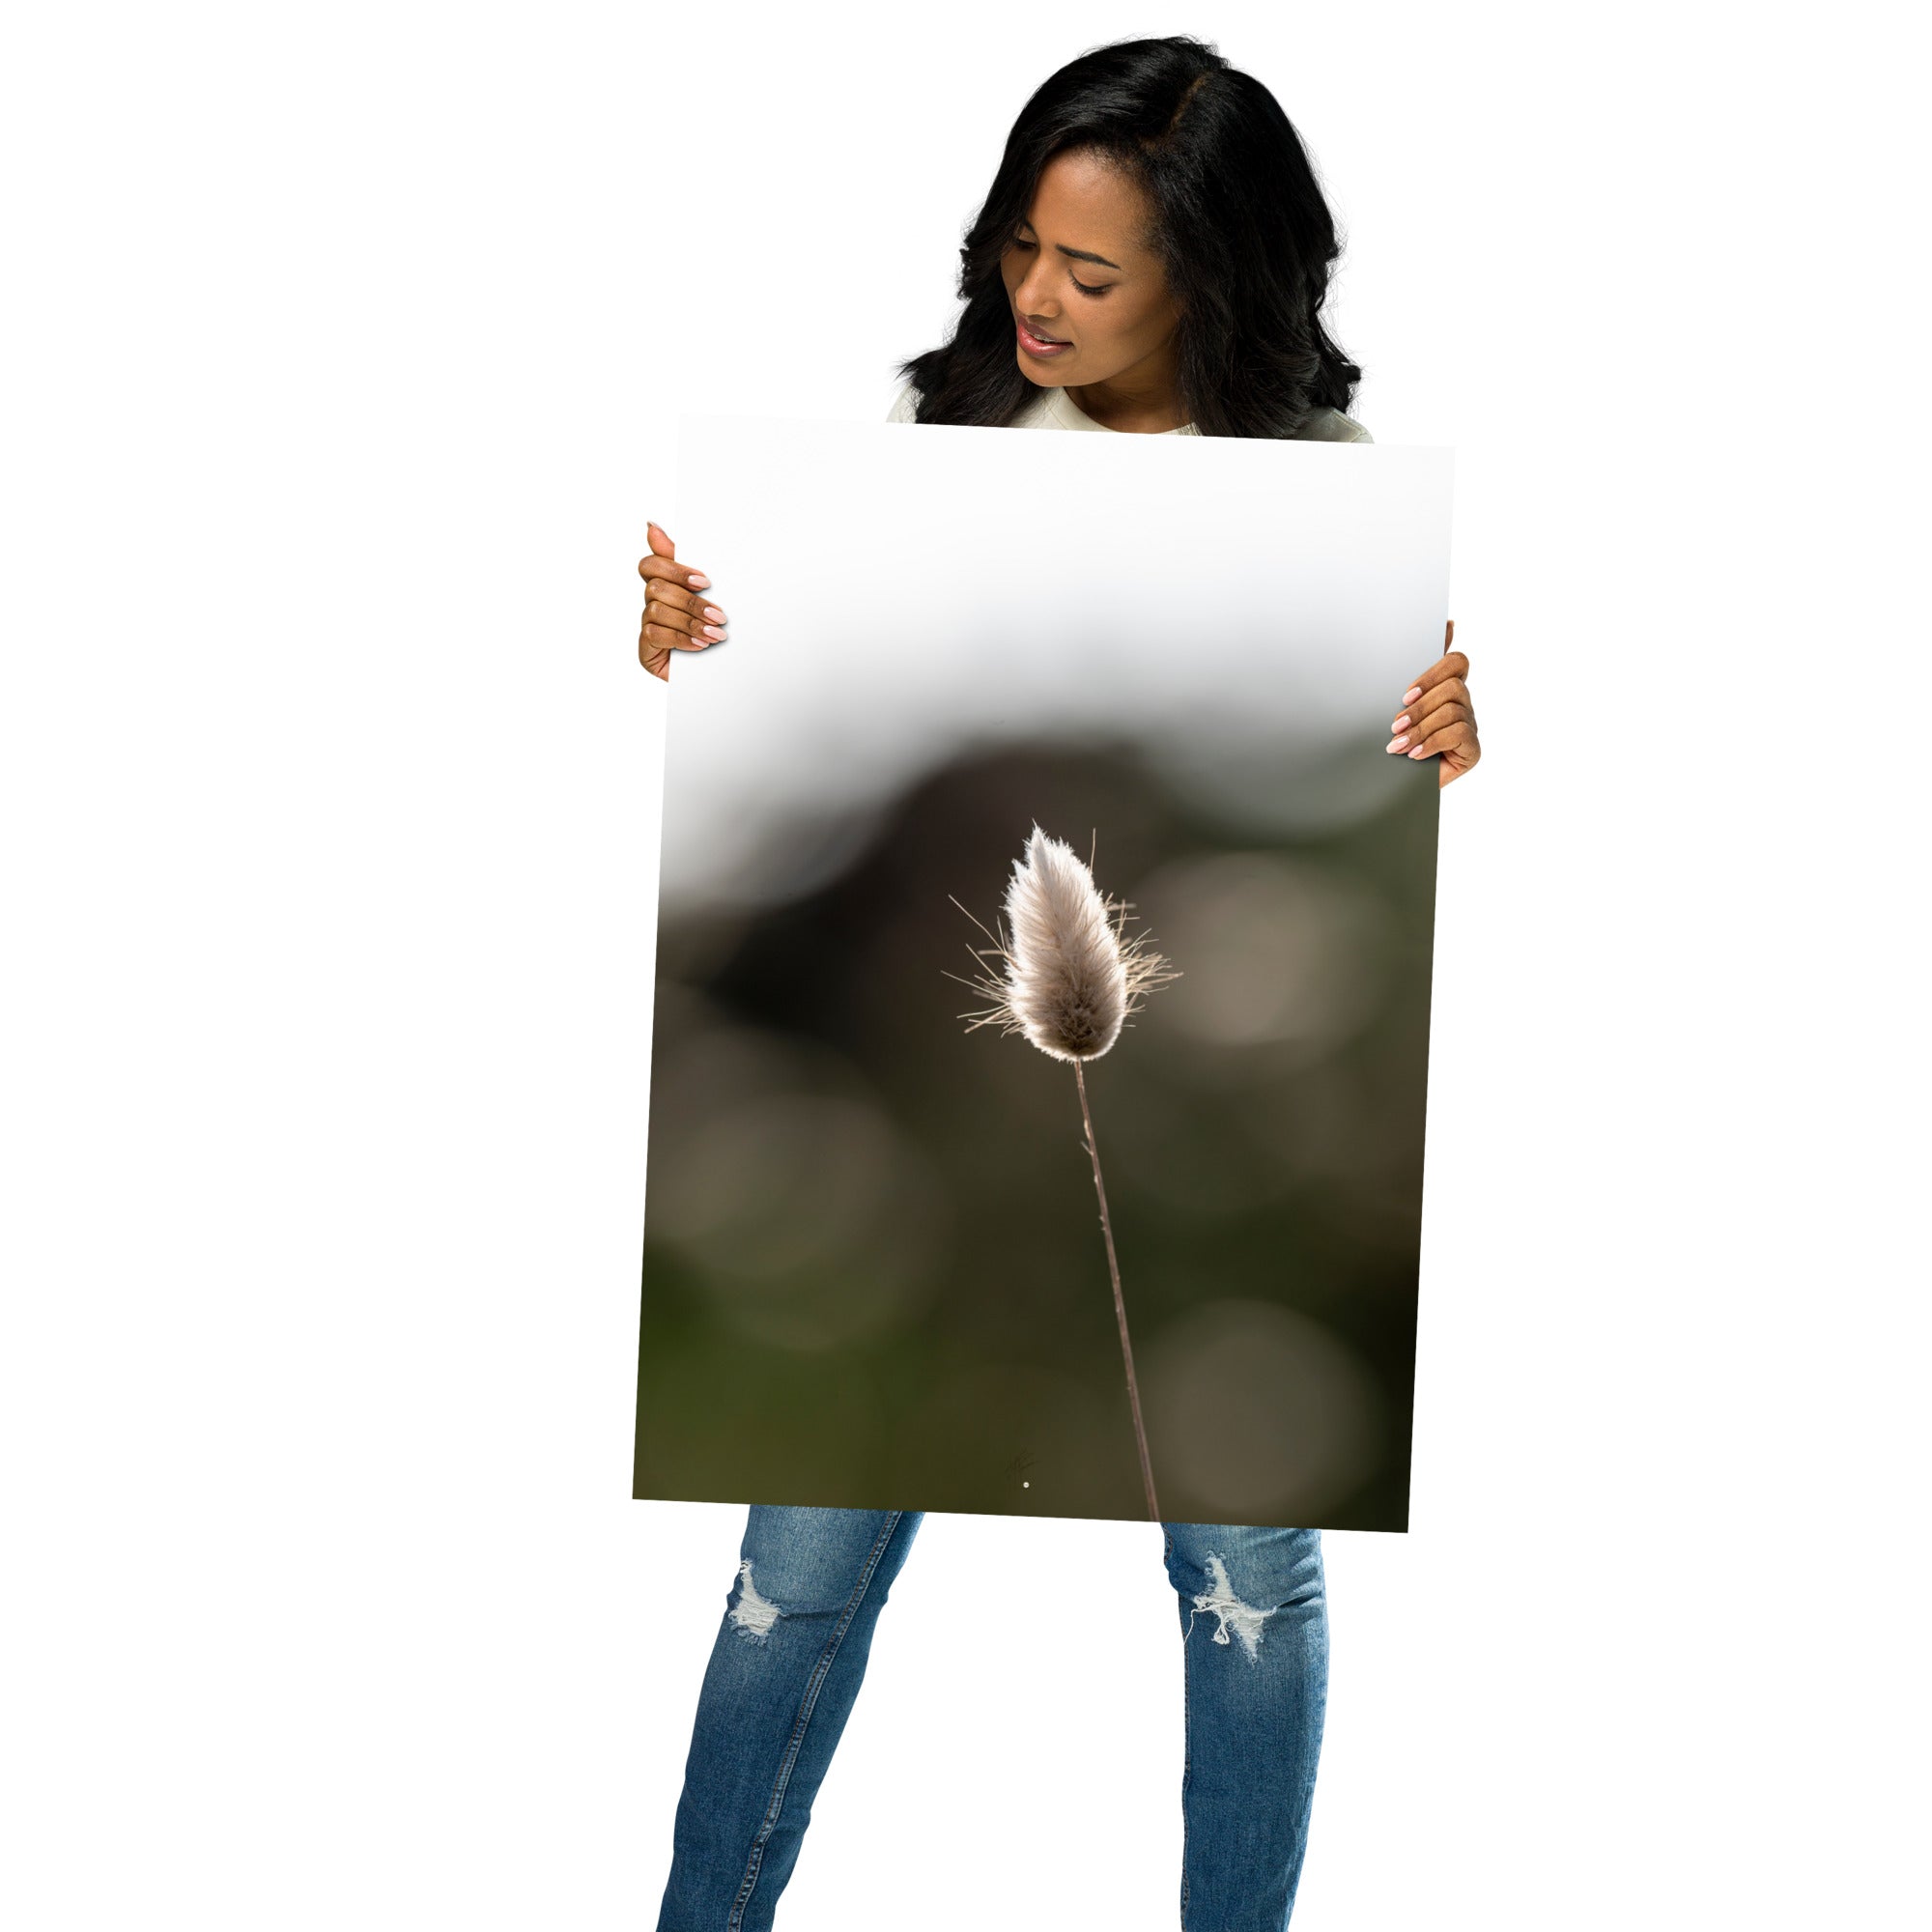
<point>1119,1304</point>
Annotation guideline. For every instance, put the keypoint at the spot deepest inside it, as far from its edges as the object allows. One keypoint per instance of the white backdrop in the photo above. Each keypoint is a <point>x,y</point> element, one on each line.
<point>344,351</point>
<point>1328,576</point>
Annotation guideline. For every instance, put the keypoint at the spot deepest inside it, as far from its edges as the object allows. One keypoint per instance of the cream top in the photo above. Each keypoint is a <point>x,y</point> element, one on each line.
<point>1055,408</point>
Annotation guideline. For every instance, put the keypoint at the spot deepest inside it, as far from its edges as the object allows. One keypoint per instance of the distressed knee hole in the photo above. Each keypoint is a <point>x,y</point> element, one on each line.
<point>752,1614</point>
<point>1242,1619</point>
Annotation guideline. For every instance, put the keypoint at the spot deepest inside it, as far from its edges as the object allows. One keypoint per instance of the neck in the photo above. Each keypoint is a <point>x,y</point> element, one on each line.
<point>1143,398</point>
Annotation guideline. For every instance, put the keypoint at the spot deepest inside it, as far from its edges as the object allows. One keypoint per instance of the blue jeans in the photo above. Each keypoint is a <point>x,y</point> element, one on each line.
<point>791,1650</point>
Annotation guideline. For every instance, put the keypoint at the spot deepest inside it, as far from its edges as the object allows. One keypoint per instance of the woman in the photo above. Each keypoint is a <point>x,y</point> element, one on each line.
<point>1152,259</point>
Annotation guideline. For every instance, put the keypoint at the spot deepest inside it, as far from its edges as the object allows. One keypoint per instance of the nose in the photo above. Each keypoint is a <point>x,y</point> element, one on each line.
<point>1031,297</point>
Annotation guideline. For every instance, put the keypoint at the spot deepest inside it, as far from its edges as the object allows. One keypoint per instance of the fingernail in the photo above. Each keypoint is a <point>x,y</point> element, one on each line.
<point>1417,753</point>
<point>712,611</point>
<point>700,581</point>
<point>1400,721</point>
<point>712,631</point>
<point>1395,743</point>
<point>1414,691</point>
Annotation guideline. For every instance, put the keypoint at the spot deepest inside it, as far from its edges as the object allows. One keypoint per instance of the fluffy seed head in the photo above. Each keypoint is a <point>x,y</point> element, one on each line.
<point>1063,971</point>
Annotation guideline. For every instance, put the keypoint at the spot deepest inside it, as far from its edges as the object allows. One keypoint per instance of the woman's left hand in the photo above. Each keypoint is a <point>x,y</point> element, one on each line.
<point>1437,721</point>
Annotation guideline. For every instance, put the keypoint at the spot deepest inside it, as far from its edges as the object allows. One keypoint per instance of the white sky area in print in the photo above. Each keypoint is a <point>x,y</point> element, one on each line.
<point>1246,612</point>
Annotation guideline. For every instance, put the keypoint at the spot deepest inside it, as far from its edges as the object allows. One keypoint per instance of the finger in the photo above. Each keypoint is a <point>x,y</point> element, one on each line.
<point>691,622</point>
<point>1459,737</point>
<point>1437,719</point>
<point>1455,665</point>
<point>1451,690</point>
<point>664,595</point>
<point>1434,718</point>
<point>1456,759</point>
<point>653,568</point>
<point>661,636</point>
<point>649,655</point>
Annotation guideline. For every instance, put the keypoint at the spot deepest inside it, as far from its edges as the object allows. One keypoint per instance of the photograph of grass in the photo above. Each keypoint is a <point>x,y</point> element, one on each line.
<point>1067,980</point>
<point>889,1261</point>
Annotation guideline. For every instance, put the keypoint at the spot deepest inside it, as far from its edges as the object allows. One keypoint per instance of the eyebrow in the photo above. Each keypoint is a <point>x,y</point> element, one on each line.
<point>1082,254</point>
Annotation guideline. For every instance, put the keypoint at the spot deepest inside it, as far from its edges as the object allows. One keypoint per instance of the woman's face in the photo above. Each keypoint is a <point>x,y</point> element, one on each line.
<point>1090,302</point>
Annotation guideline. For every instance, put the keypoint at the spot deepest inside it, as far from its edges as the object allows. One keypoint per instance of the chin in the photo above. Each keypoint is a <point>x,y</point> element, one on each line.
<point>1035,376</point>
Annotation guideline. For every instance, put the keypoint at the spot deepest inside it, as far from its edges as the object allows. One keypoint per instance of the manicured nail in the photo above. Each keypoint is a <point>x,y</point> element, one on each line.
<point>1395,743</point>
<point>1400,721</point>
<point>712,611</point>
<point>1414,691</point>
<point>1417,753</point>
<point>712,631</point>
<point>700,581</point>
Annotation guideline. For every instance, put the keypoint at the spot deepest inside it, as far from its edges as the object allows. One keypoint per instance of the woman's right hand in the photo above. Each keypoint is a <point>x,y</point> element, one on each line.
<point>676,619</point>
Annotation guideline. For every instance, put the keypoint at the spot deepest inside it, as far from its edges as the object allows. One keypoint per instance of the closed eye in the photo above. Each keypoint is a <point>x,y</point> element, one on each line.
<point>1085,288</point>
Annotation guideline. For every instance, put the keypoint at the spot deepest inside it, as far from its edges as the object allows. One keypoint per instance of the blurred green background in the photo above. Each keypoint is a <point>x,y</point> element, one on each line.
<point>873,1273</point>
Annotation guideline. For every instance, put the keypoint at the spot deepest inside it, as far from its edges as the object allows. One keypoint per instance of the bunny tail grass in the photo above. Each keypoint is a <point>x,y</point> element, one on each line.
<point>1069,976</point>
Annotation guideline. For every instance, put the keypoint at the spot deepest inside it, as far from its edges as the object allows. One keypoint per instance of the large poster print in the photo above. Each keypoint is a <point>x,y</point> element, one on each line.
<point>1042,982</point>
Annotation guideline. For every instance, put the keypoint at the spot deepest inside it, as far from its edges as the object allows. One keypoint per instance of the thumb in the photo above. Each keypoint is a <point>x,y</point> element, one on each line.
<point>660,545</point>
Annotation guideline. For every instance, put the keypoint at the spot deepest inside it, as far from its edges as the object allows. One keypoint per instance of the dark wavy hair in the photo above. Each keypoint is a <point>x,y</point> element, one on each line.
<point>1240,227</point>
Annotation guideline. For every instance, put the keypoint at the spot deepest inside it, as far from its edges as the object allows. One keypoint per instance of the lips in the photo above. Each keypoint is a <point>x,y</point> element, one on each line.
<point>1035,344</point>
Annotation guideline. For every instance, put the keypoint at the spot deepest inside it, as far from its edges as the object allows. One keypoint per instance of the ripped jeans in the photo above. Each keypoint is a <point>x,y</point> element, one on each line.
<point>791,1650</point>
